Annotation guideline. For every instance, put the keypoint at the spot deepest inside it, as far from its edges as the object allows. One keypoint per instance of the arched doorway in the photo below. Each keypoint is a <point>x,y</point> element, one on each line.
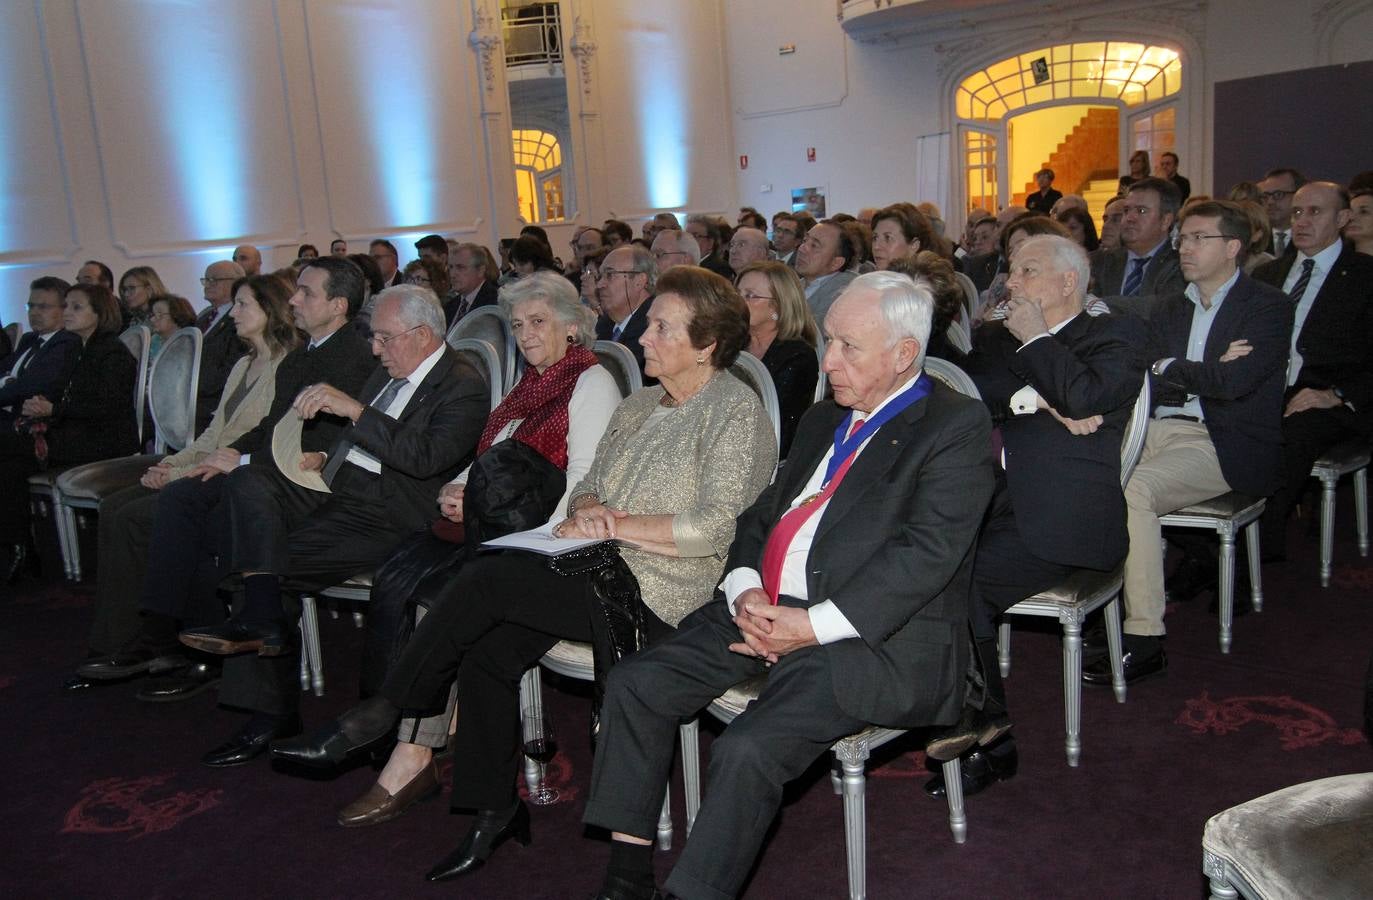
<point>1080,108</point>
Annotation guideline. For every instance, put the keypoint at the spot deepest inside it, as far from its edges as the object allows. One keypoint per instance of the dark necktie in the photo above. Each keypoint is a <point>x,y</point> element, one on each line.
<point>615,332</point>
<point>1279,242</point>
<point>1136,276</point>
<point>205,320</point>
<point>28,358</point>
<point>1302,281</point>
<point>382,403</point>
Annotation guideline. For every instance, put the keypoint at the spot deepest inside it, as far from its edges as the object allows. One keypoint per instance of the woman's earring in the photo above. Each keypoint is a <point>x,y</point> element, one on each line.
<point>774,317</point>
<point>571,339</point>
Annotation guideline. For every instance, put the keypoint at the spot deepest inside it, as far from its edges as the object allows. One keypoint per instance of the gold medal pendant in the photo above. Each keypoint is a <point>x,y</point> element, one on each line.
<point>811,499</point>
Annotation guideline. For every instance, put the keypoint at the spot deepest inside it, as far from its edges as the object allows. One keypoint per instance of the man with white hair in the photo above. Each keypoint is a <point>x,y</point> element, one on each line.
<point>1061,385</point>
<point>749,245</point>
<point>675,248</point>
<point>846,586</point>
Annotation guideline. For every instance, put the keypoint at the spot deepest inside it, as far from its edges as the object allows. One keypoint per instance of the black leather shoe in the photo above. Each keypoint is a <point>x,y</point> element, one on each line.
<point>617,888</point>
<point>1193,576</point>
<point>1137,664</point>
<point>980,770</point>
<point>127,663</point>
<point>486,835</point>
<point>23,561</point>
<point>251,742</point>
<point>181,684</point>
<point>75,684</point>
<point>234,636</point>
<point>955,740</point>
<point>366,730</point>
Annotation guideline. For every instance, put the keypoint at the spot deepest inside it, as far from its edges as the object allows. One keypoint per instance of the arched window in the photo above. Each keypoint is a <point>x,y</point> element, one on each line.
<point>538,175</point>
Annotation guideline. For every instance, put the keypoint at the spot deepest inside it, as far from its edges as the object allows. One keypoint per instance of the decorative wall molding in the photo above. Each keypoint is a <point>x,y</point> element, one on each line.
<point>485,41</point>
<point>583,49</point>
<point>1328,18</point>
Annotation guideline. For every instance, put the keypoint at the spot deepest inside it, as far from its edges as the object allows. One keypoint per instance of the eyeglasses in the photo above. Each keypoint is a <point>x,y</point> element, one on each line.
<point>421,280</point>
<point>611,273</point>
<point>1276,195</point>
<point>751,296</point>
<point>159,315</point>
<point>789,232</point>
<point>378,339</point>
<point>1193,239</point>
<point>206,282</point>
<point>43,305</point>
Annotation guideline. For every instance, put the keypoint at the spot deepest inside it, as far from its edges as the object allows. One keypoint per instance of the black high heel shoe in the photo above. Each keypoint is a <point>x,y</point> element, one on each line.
<point>486,835</point>
<point>367,731</point>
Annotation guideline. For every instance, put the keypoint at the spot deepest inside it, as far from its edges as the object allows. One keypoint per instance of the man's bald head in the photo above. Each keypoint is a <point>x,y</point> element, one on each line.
<point>247,256</point>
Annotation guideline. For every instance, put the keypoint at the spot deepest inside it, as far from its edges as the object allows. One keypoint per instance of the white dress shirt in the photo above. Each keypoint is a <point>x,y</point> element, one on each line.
<point>360,457</point>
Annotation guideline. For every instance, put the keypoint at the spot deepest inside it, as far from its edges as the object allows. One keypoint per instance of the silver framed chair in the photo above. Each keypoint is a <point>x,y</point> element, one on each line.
<point>1227,515</point>
<point>822,383</point>
<point>489,324</point>
<point>1348,458</point>
<point>15,330</point>
<point>750,370</point>
<point>621,364</point>
<point>970,298</point>
<point>1080,594</point>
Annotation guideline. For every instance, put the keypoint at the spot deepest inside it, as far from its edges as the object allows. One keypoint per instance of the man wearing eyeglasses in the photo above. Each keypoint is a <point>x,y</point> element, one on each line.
<point>1145,268</point>
<point>625,291</point>
<point>383,253</point>
<point>1330,367</point>
<point>471,281</point>
<point>1217,353</point>
<point>39,364</point>
<point>1278,187</point>
<point>787,233</point>
<point>221,347</point>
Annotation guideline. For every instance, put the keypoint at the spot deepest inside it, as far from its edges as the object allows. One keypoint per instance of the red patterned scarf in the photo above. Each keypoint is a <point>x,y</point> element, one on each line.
<point>541,401</point>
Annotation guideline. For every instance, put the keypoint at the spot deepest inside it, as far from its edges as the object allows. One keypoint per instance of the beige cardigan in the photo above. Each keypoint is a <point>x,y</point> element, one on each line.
<point>224,430</point>
<point>704,462</point>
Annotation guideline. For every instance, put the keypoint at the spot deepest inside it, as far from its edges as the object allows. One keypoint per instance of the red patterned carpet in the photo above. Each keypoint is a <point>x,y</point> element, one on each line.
<point>105,796</point>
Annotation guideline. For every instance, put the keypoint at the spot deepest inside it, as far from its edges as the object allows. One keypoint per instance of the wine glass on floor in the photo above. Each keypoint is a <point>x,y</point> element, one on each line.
<point>540,746</point>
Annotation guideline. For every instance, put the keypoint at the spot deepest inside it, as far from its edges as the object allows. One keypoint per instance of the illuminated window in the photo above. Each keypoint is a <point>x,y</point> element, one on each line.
<point>1129,73</point>
<point>979,160</point>
<point>538,175</point>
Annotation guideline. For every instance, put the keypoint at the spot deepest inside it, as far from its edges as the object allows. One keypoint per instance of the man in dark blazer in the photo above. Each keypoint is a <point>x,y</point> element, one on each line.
<point>1330,370</point>
<point>1217,356</point>
<point>1145,267</point>
<point>1061,385</point>
<point>221,347</point>
<point>41,362</point>
<point>1043,200</point>
<point>414,424</point>
<point>473,280</point>
<point>870,622</point>
<point>628,275</point>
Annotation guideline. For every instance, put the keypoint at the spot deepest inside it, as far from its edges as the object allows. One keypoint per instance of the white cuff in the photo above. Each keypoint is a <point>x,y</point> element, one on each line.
<point>738,581</point>
<point>829,624</point>
<point>244,459</point>
<point>1025,402</point>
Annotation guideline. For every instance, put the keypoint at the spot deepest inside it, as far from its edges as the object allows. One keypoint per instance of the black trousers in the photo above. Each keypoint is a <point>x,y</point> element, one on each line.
<point>491,623</point>
<point>794,720</point>
<point>1305,436</point>
<point>182,568</point>
<point>17,463</point>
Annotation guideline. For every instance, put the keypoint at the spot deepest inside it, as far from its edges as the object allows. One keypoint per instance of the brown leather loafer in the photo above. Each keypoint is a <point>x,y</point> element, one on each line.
<point>378,805</point>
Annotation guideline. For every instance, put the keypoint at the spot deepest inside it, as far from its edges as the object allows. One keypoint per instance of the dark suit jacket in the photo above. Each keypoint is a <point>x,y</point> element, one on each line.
<point>344,361</point>
<point>716,263</point>
<point>1335,343</point>
<point>633,330</point>
<point>1183,185</point>
<point>982,269</point>
<point>94,418</point>
<point>1043,201</point>
<point>1162,277</point>
<point>218,353</point>
<point>486,296</point>
<point>794,368</point>
<point>1241,400</point>
<point>893,551</point>
<point>432,440</point>
<point>44,373</point>
<point>1065,488</point>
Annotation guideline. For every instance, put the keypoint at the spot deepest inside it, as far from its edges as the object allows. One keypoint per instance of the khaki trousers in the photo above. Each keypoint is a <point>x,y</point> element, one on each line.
<point>1177,468</point>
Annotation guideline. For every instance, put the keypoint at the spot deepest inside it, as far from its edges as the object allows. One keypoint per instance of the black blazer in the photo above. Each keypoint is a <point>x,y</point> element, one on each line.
<point>344,361</point>
<point>1241,400</point>
<point>1334,342</point>
<point>94,417</point>
<point>982,269</point>
<point>1162,277</point>
<point>1065,489</point>
<point>1043,201</point>
<point>486,296</point>
<point>893,551</point>
<point>794,368</point>
<point>432,440</point>
<point>45,372</point>
<point>633,330</point>
<point>218,353</point>
<point>715,262</point>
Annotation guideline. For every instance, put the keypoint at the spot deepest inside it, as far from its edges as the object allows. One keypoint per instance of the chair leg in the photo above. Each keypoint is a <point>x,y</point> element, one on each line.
<point>531,705</point>
<point>1361,508</point>
<point>309,642</point>
<point>1227,589</point>
<point>953,790</point>
<point>665,821</point>
<point>691,771</point>
<point>1327,526</point>
<point>1003,648</point>
<point>855,822</point>
<point>1223,890</point>
<point>1072,689</point>
<point>73,542</point>
<point>1114,650</point>
<point>60,526</point>
<point>1251,541</point>
<point>304,671</point>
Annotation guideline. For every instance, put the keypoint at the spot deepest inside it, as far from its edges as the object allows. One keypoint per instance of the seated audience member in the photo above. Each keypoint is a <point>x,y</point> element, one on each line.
<point>752,218</point>
<point>433,246</point>
<point>1080,227</point>
<point>1259,236</point>
<point>659,223</point>
<point>1139,170</point>
<point>529,254</point>
<point>221,347</point>
<point>937,275</point>
<point>1245,190</point>
<point>137,287</point>
<point>93,271</point>
<point>825,262</point>
<point>1168,170</point>
<point>473,275</point>
<point>1277,190</point>
<point>898,231</point>
<point>1043,200</point>
<point>169,313</point>
<point>591,280</point>
<point>617,233</point>
<point>39,364</point>
<point>585,239</point>
<point>625,289</point>
<point>861,620</point>
<point>1145,267</point>
<point>384,254</point>
<point>1025,226</point>
<point>123,643</point>
<point>747,246</point>
<point>1358,231</point>
<point>537,444</point>
<point>90,417</point>
<point>249,259</point>
<point>984,268</point>
<point>783,334</point>
<point>674,247</point>
<point>338,247</point>
<point>418,421</point>
<point>787,234</point>
<point>1329,395</point>
<point>1068,201</point>
<point>373,284</point>
<point>678,463</point>
<point>1061,385</point>
<point>288,275</point>
<point>1217,355</point>
<point>307,251</point>
<point>710,240</point>
<point>1110,224</point>
<point>428,272</point>
<point>965,246</point>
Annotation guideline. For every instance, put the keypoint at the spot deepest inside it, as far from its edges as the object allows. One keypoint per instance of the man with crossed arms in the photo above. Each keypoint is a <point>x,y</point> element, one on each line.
<point>864,545</point>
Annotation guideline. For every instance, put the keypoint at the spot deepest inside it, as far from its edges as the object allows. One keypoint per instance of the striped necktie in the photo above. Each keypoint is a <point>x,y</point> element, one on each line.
<point>1302,281</point>
<point>1136,276</point>
<point>382,404</point>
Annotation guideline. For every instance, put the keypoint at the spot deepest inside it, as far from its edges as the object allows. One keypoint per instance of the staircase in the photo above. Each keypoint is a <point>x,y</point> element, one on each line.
<point>1085,162</point>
